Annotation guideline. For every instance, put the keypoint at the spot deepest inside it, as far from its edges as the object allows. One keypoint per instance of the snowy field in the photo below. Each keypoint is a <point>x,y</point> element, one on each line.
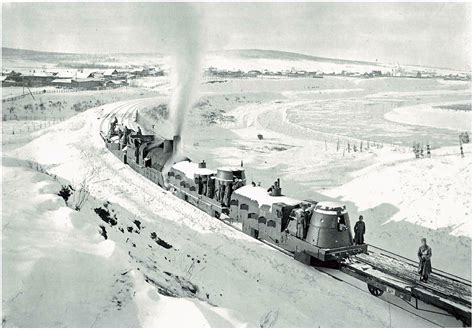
<point>175,259</point>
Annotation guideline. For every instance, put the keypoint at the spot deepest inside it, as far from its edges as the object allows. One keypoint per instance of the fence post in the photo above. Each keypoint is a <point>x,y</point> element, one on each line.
<point>460,145</point>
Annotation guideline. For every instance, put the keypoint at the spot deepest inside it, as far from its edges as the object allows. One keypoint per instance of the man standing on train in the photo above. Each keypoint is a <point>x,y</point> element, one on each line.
<point>424,255</point>
<point>359,231</point>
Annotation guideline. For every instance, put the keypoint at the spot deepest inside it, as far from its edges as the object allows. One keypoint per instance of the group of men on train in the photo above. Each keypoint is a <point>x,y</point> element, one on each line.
<point>218,190</point>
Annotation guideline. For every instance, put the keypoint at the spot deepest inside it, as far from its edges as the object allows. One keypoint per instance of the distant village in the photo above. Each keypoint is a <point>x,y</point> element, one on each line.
<point>398,71</point>
<point>82,79</point>
<point>95,79</point>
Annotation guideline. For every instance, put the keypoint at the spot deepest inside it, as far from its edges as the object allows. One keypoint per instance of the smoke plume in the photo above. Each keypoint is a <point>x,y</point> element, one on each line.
<point>186,72</point>
<point>186,64</point>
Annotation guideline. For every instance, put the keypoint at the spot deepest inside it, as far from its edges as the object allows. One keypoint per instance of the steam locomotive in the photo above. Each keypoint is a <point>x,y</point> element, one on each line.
<point>312,231</point>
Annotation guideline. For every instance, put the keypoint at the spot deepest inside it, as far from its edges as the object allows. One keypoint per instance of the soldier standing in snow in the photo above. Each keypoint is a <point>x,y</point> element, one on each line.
<point>424,255</point>
<point>359,231</point>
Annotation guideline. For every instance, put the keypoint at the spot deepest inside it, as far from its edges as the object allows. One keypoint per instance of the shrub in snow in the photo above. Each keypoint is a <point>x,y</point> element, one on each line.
<point>160,242</point>
<point>66,192</point>
<point>104,214</point>
<point>137,223</point>
<point>80,196</point>
<point>103,232</point>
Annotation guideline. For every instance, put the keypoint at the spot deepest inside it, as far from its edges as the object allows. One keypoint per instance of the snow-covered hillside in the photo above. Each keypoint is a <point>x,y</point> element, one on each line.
<point>162,258</point>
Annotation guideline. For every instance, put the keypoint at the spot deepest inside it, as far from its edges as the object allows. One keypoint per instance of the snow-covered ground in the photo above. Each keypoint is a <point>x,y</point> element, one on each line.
<point>424,197</point>
<point>178,260</point>
<point>401,197</point>
<point>55,256</point>
<point>432,192</point>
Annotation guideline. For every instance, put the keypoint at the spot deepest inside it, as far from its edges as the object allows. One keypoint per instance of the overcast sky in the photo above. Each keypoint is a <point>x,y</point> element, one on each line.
<point>436,34</point>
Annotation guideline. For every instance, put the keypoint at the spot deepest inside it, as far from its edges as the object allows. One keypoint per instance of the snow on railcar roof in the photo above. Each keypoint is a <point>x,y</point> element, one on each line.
<point>231,168</point>
<point>190,169</point>
<point>329,205</point>
<point>262,197</point>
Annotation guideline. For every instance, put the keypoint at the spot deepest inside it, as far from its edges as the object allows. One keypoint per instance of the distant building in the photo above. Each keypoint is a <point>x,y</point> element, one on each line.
<point>115,83</point>
<point>14,76</point>
<point>64,74</point>
<point>83,74</point>
<point>156,72</point>
<point>110,73</point>
<point>62,82</point>
<point>40,78</point>
<point>398,71</point>
<point>376,73</point>
<point>87,83</point>
<point>254,73</point>
<point>8,82</point>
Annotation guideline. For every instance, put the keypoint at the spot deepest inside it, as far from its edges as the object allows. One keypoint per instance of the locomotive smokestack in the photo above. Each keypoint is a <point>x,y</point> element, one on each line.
<point>176,141</point>
<point>277,191</point>
<point>167,146</point>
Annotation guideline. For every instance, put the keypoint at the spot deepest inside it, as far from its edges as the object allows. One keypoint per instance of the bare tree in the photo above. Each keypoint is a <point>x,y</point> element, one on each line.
<point>82,189</point>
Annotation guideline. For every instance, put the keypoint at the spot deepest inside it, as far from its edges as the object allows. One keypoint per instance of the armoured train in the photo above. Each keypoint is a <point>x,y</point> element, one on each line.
<point>312,231</point>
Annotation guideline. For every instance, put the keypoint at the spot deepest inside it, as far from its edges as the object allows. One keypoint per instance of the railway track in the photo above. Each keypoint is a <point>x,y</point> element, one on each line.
<point>337,275</point>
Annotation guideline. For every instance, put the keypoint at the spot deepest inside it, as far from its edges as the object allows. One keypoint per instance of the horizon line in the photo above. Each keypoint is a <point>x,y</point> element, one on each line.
<point>235,49</point>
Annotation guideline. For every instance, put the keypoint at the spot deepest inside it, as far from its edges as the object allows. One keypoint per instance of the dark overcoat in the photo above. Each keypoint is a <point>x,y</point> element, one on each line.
<point>424,255</point>
<point>359,232</point>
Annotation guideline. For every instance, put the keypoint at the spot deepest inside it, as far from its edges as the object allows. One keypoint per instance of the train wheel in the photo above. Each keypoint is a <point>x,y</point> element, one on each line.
<point>375,291</point>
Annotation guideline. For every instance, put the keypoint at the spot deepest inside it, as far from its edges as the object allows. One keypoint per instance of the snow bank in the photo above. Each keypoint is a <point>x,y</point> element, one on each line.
<point>428,115</point>
<point>432,192</point>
